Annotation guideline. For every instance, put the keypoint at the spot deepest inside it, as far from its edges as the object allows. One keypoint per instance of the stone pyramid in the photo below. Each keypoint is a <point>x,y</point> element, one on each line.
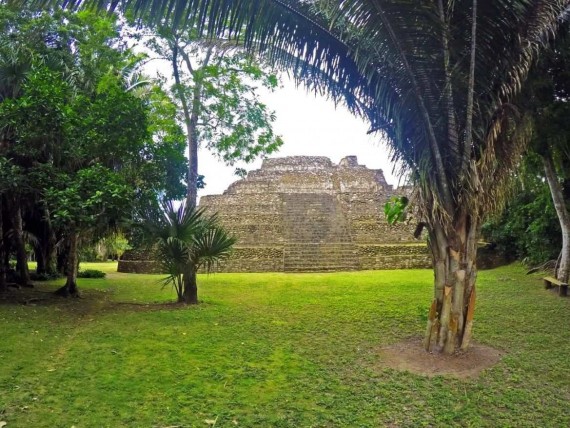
<point>306,214</point>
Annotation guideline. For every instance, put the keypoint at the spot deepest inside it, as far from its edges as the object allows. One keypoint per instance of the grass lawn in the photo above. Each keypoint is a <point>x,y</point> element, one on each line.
<point>277,350</point>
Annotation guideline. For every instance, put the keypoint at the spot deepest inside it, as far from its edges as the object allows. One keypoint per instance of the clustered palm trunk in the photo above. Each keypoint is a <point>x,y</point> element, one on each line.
<point>454,254</point>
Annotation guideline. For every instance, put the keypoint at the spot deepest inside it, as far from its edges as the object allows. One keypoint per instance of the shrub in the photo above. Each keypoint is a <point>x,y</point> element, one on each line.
<point>91,273</point>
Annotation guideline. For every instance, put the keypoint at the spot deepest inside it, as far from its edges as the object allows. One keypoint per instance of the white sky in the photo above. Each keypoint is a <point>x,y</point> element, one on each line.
<point>310,125</point>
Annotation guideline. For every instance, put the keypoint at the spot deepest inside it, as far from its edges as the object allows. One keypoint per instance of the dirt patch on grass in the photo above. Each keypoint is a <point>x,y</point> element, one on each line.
<point>43,295</point>
<point>90,300</point>
<point>411,356</point>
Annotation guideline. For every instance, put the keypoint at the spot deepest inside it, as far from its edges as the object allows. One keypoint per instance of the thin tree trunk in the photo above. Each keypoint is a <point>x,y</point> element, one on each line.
<point>191,114</point>
<point>454,254</point>
<point>18,239</point>
<point>190,294</point>
<point>563,217</point>
<point>70,287</point>
<point>452,134</point>
<point>440,172</point>
<point>51,254</point>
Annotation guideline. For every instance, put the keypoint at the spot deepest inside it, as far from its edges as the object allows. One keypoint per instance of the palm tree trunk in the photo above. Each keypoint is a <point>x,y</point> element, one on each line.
<point>70,287</point>
<point>454,253</point>
<point>563,217</point>
<point>190,294</point>
<point>18,239</point>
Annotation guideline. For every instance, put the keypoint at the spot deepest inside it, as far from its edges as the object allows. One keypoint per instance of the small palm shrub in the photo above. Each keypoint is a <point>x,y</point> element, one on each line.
<point>187,239</point>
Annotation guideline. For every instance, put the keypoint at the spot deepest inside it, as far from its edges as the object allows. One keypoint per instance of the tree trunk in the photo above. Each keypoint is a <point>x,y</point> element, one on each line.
<point>190,294</point>
<point>46,252</point>
<point>18,239</point>
<point>454,253</point>
<point>70,287</point>
<point>40,259</point>
<point>3,285</point>
<point>563,217</point>
<point>190,120</point>
<point>61,259</point>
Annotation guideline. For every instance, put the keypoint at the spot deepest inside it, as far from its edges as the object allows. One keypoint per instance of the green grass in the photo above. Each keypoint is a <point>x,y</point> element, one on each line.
<point>276,350</point>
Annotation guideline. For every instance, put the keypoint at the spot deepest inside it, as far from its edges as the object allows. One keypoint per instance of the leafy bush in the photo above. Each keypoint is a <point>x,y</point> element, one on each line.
<point>91,273</point>
<point>528,229</point>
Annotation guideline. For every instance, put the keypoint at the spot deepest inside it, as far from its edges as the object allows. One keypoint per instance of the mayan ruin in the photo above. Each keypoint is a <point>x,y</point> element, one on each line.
<point>306,214</point>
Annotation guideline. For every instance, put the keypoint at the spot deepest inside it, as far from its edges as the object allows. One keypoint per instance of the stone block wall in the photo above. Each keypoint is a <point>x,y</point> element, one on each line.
<point>394,256</point>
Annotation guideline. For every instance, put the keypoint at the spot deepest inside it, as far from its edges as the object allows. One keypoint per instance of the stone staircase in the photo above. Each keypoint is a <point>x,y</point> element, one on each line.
<point>317,236</point>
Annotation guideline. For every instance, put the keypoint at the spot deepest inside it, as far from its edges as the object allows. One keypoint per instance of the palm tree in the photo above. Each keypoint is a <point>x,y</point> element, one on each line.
<point>434,77</point>
<point>187,239</point>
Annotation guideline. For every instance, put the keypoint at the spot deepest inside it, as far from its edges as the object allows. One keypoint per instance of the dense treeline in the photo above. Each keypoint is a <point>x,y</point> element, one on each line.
<point>535,226</point>
<point>85,140</point>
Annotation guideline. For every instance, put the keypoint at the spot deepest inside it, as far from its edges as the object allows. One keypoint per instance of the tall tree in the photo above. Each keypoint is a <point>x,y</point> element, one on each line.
<point>80,139</point>
<point>216,86</point>
<point>547,97</point>
<point>434,77</point>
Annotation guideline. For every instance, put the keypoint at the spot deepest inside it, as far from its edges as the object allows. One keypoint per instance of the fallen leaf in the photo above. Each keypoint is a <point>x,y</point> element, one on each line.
<point>211,421</point>
<point>3,424</point>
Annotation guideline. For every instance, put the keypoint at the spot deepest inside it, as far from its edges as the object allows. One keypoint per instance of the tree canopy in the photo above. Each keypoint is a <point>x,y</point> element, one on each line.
<point>82,145</point>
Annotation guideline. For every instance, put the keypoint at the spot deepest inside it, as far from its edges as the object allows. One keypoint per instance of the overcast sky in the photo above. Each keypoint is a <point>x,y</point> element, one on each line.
<point>310,126</point>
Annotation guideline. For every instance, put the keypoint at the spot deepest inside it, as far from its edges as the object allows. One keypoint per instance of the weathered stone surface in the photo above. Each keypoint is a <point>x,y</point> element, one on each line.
<point>306,214</point>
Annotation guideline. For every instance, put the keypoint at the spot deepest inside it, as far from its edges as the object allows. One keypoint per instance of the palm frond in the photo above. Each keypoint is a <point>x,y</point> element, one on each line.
<point>212,247</point>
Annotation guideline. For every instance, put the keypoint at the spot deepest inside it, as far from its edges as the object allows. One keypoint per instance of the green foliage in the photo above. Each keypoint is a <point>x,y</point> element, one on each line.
<point>85,139</point>
<point>91,273</point>
<point>237,125</point>
<point>528,229</point>
<point>395,209</point>
<point>219,85</point>
<point>187,239</point>
<point>88,196</point>
<point>113,245</point>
